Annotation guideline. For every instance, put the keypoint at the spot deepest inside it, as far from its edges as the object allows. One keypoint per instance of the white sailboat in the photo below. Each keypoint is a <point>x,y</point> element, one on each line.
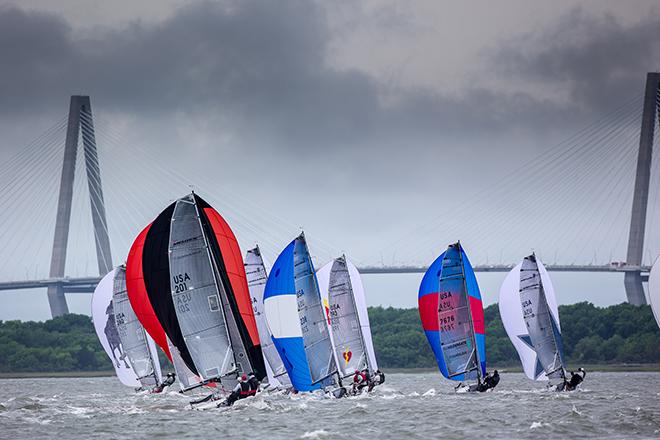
<point>530,315</point>
<point>345,306</point>
<point>257,275</point>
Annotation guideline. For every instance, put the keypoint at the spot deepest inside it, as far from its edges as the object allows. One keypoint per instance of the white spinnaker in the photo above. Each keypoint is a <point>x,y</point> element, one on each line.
<point>323,277</point>
<point>654,290</point>
<point>106,330</point>
<point>256,273</point>
<point>512,316</point>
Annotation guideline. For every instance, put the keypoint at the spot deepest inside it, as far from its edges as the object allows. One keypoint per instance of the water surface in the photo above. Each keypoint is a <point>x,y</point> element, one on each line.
<point>424,406</point>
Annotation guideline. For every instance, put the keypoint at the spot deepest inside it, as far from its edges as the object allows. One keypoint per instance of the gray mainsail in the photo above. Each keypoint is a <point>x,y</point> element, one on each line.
<point>457,339</point>
<point>200,299</point>
<point>344,321</point>
<point>131,333</point>
<point>316,336</point>
<point>255,271</point>
<point>542,328</point>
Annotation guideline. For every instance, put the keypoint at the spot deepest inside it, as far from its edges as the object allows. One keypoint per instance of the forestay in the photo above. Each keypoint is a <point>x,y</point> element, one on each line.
<point>140,349</point>
<point>196,296</point>
<point>451,311</point>
<point>103,317</point>
<point>346,313</point>
<point>529,312</point>
<point>256,273</point>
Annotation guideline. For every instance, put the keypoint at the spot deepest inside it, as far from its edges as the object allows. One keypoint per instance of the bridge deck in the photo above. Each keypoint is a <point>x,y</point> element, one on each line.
<point>87,284</point>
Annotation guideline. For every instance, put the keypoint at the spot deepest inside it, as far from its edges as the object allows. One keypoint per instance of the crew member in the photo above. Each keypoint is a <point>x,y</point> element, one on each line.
<point>169,380</point>
<point>575,380</point>
<point>254,383</point>
<point>240,391</point>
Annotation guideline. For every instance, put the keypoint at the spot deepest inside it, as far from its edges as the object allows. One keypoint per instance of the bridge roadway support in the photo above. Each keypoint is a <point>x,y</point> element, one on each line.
<point>79,106</point>
<point>633,280</point>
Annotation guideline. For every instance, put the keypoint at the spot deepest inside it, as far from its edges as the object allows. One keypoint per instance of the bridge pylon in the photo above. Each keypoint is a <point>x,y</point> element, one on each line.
<point>80,122</point>
<point>633,280</point>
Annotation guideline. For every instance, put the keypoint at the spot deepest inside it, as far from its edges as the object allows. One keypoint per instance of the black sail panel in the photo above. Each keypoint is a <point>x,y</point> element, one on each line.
<point>156,270</point>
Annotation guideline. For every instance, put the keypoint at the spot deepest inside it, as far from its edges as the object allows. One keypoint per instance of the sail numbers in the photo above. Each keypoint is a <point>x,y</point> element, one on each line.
<point>180,282</point>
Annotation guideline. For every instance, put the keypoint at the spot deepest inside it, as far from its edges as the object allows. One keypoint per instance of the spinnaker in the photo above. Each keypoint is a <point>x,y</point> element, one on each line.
<point>529,312</point>
<point>296,319</point>
<point>257,275</point>
<point>451,311</point>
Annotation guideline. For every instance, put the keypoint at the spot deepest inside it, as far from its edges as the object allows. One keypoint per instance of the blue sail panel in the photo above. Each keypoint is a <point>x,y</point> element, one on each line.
<point>477,311</point>
<point>428,310</point>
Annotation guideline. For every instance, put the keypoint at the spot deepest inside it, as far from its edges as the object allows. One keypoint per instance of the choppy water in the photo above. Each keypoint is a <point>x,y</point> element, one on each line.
<point>610,405</point>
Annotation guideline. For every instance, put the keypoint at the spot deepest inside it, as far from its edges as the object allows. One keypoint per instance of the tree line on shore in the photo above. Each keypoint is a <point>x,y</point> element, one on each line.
<point>616,334</point>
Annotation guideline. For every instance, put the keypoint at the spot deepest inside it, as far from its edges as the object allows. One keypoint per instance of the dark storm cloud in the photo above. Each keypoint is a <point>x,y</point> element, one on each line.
<point>258,68</point>
<point>599,61</point>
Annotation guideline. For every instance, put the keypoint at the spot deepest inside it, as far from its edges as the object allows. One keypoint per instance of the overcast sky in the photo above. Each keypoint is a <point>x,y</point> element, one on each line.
<point>386,129</point>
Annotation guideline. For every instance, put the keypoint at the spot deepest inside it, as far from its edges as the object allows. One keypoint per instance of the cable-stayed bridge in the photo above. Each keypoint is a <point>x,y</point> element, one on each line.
<point>598,186</point>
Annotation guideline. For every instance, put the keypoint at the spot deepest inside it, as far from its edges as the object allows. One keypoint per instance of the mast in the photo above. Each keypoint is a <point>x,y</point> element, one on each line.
<point>467,297</point>
<point>542,295</point>
<point>357,315</point>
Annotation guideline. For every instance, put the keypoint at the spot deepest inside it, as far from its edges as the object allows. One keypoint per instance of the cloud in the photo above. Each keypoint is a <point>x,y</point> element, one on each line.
<point>594,62</point>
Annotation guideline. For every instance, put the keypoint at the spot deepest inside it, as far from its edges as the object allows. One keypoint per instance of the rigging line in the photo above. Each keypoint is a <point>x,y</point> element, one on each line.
<point>34,161</point>
<point>583,194</point>
<point>605,193</point>
<point>261,210</point>
<point>556,194</point>
<point>584,179</point>
<point>32,147</point>
<point>35,229</point>
<point>19,201</point>
<point>24,228</point>
<point>488,193</point>
<point>243,223</point>
<point>489,218</point>
<point>623,172</point>
<point>549,177</point>
<point>558,152</point>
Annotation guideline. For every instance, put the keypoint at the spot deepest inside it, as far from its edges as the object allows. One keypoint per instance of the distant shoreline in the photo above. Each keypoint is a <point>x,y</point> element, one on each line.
<point>606,368</point>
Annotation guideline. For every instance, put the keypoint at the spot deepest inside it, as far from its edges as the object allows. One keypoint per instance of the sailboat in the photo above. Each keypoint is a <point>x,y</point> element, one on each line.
<point>103,317</point>
<point>452,316</point>
<point>654,290</point>
<point>529,312</point>
<point>346,314</point>
<point>195,279</point>
<point>138,346</point>
<point>255,271</point>
<point>295,316</point>
<point>145,287</point>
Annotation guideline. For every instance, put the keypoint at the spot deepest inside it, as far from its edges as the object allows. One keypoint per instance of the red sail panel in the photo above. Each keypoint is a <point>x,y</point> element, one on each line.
<point>137,293</point>
<point>233,260</point>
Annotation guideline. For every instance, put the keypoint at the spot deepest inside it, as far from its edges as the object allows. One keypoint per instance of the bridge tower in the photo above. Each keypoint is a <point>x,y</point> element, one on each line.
<point>80,122</point>
<point>633,279</point>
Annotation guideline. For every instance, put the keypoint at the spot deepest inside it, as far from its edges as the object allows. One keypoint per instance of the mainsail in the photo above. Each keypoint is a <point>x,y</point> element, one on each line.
<point>255,270</point>
<point>451,311</point>
<point>654,290</point>
<point>346,313</point>
<point>529,312</point>
<point>134,340</point>
<point>103,317</point>
<point>203,264</point>
<point>295,317</point>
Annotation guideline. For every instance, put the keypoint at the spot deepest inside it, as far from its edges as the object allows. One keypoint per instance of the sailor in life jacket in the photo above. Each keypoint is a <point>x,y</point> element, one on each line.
<point>253,382</point>
<point>359,380</point>
<point>240,391</point>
